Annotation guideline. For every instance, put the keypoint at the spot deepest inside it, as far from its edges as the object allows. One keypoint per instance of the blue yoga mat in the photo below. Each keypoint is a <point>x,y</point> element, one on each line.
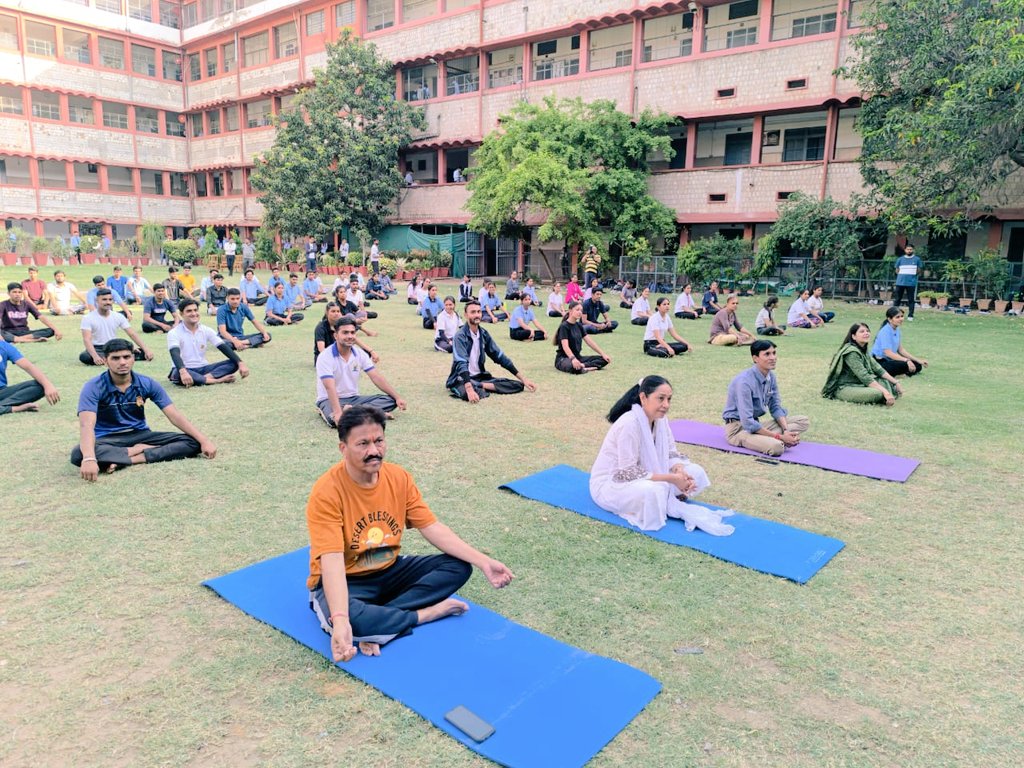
<point>549,703</point>
<point>762,545</point>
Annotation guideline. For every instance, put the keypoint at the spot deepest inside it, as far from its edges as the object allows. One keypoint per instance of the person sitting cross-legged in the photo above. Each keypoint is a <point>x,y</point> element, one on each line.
<point>430,307</point>
<point>640,311</point>
<point>231,318</point>
<point>112,420</point>
<point>491,307</point>
<point>14,314</point>
<point>155,310</point>
<point>530,289</point>
<point>659,325</point>
<point>35,289</point>
<point>101,325</point>
<point>569,339</point>
<point>522,318</point>
<point>595,313</point>
<point>313,288</point>
<point>187,344</point>
<point>765,322</point>
<point>294,295</point>
<point>337,377</point>
<point>386,284</point>
<point>251,290</point>
<point>279,309</point>
<point>90,297</point>
<point>375,289</point>
<point>468,378</point>
<point>138,287</point>
<point>855,376</point>
<point>446,325</point>
<point>686,308</point>
<point>466,289</point>
<point>360,588</point>
<point>216,294</point>
<point>628,295</point>
<point>15,398</point>
<point>323,333</point>
<point>726,330</point>
<point>817,306</point>
<point>800,316</point>
<point>556,302</point>
<point>888,349</point>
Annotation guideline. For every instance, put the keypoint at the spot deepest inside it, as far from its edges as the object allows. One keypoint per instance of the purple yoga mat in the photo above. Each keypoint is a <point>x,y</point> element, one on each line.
<point>838,458</point>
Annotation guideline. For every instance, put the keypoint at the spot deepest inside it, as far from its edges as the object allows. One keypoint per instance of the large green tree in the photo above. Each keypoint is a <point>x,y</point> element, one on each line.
<point>581,166</point>
<point>334,161</point>
<point>943,119</point>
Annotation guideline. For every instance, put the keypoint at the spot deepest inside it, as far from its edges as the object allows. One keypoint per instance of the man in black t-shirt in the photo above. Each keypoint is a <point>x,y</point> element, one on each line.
<point>595,313</point>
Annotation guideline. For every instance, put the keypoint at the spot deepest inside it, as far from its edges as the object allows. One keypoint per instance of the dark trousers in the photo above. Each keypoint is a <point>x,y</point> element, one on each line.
<point>257,302</point>
<point>385,402</point>
<point>898,367</point>
<point>553,313</point>
<point>652,348</point>
<point>688,314</point>
<point>522,334</point>
<point>12,333</point>
<point>86,359</point>
<point>231,264</point>
<point>499,316</point>
<point>910,291</point>
<point>770,331</point>
<point>148,327</point>
<point>382,605</point>
<point>19,394</point>
<point>442,343</point>
<point>113,449</point>
<point>501,386</point>
<point>254,339</point>
<point>591,328</point>
<point>216,370</point>
<point>587,277</point>
<point>639,321</point>
<point>296,317</point>
<point>564,364</point>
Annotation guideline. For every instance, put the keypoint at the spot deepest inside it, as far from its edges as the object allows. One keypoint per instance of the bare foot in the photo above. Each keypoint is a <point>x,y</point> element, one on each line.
<point>135,450</point>
<point>229,379</point>
<point>25,407</point>
<point>369,649</point>
<point>449,607</point>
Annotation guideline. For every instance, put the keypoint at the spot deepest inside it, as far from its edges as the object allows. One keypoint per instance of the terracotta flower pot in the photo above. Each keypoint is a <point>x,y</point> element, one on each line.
<point>10,259</point>
<point>1001,306</point>
<point>88,258</point>
<point>942,302</point>
<point>41,259</point>
<point>965,303</point>
<point>25,260</point>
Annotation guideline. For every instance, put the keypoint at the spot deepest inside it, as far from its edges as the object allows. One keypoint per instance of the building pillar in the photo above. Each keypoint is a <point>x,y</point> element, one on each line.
<point>684,235</point>
<point>691,145</point>
<point>165,183</point>
<point>584,50</point>
<point>398,12</point>
<point>442,167</point>
<point>527,63</point>
<point>65,109</point>
<point>520,258</point>
<point>103,178</point>
<point>698,30</point>
<point>995,234</point>
<point>136,181</point>
<point>108,230</point>
<point>69,175</point>
<point>764,27</point>
<point>756,140</point>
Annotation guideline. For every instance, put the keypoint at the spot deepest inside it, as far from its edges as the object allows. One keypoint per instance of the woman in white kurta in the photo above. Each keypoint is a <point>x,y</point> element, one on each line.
<point>639,474</point>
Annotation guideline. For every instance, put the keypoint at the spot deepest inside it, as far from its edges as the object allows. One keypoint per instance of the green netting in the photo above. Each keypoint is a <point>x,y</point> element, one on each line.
<point>405,238</point>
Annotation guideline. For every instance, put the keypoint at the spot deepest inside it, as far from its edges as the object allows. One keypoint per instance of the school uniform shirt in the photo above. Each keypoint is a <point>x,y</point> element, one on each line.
<point>592,310</point>
<point>640,305</point>
<point>684,303</point>
<point>139,288</point>
<point>658,323</point>
<point>448,324</point>
<point>8,354</point>
<point>193,345</point>
<point>521,318</point>
<point>431,308</point>
<point>62,295</point>
<point>710,297</point>
<point>762,318</point>
<point>555,302</point>
<point>886,338</point>
<point>490,302</point>
<point>118,284</point>
<point>103,328</point>
<point>292,294</point>
<point>796,309</point>
<point>815,304</point>
<point>311,288</point>
<point>345,373</point>
<point>250,288</point>
<point>90,297</point>
<point>118,411</point>
<point>232,321</point>
<point>278,306</point>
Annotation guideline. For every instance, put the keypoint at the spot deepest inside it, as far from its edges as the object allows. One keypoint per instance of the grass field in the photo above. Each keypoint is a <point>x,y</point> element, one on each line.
<point>905,650</point>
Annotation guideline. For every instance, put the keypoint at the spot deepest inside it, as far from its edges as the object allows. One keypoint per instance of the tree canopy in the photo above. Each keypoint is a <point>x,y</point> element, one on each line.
<point>943,121</point>
<point>582,166</point>
<point>334,161</point>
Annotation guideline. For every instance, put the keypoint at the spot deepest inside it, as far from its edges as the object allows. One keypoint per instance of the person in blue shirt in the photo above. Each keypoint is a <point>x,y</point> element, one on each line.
<point>313,288</point>
<point>888,348</point>
<point>90,297</point>
<point>15,398</point>
<point>522,318</point>
<point>431,307</point>
<point>293,293</point>
<point>491,307</point>
<point>112,420</point>
<point>279,309</point>
<point>155,311</point>
<point>230,319</point>
<point>754,393</point>
<point>375,289</point>
<point>275,280</point>
<point>710,301</point>
<point>530,289</point>
<point>907,268</point>
<point>387,285</point>
<point>117,282</point>
<point>251,290</point>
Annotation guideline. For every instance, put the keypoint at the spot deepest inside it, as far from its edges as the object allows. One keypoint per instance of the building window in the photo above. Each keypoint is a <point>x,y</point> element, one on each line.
<point>140,9</point>
<point>462,75</point>
<point>76,46</point>
<point>179,184</point>
<point>112,6</point>
<point>143,60</point>
<point>147,120</point>
<point>199,179</point>
<point>742,9</point>
<point>80,110</point>
<point>10,100</point>
<point>217,188</point>
<point>856,13</point>
<point>231,118</point>
<point>420,83</point>
<point>505,67</point>
<point>345,14</point>
<point>196,124</point>
<point>52,174</point>
<point>170,14</point>
<point>611,47</point>
<point>255,49</point>
<point>738,38</point>
<point>213,120</point>
<point>195,70</point>
<point>8,32</point>
<point>152,182</point>
<point>668,37</point>
<point>45,105</point>
<point>171,65</point>
<point>257,113</point>
<point>40,39</point>
<point>314,23</point>
<point>417,9</point>
<point>804,145</point>
<point>380,14</point>
<point>286,41</point>
<point>188,16</point>
<point>227,51</point>
<point>174,124</point>
<point>814,25</point>
<point>556,58</point>
<point>115,115</point>
<point>111,53</point>
<point>285,103</point>
<point>237,181</point>
<point>210,54</point>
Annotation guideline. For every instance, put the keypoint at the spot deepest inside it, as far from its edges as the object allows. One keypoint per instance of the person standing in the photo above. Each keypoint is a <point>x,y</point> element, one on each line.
<point>591,265</point>
<point>230,251</point>
<point>375,256</point>
<point>907,268</point>
<point>248,254</point>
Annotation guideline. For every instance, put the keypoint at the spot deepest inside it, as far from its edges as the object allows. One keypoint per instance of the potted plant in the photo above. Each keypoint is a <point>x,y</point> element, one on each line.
<point>87,249</point>
<point>444,263</point>
<point>999,306</point>
<point>926,298</point>
<point>991,272</point>
<point>941,299</point>
<point>293,257</point>
<point>41,251</point>
<point>60,250</point>
<point>328,264</point>
<point>151,239</point>
<point>955,270</point>
<point>401,265</point>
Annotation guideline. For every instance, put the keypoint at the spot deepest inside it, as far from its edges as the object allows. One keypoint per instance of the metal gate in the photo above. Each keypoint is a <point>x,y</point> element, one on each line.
<point>474,266</point>
<point>506,255</point>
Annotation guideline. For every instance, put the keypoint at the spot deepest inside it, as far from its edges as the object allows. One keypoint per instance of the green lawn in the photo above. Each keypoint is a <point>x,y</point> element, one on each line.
<point>905,650</point>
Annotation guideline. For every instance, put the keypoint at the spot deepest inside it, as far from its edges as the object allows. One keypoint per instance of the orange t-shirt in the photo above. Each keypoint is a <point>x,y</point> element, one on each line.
<point>188,282</point>
<point>364,523</point>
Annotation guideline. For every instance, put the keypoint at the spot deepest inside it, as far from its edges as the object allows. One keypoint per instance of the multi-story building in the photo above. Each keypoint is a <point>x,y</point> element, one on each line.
<point>114,112</point>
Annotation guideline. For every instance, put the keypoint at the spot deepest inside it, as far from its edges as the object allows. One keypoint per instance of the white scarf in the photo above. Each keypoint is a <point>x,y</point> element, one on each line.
<point>654,445</point>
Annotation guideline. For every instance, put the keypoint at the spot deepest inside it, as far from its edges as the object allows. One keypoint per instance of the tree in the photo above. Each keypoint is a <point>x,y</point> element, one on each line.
<point>711,258</point>
<point>334,161</point>
<point>581,166</point>
<point>943,122</point>
<point>151,238</point>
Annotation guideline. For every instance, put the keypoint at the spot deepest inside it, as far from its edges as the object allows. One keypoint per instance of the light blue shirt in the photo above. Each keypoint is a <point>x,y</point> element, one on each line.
<point>521,318</point>
<point>886,338</point>
<point>490,302</point>
<point>250,288</point>
<point>431,308</point>
<point>278,306</point>
<point>751,396</point>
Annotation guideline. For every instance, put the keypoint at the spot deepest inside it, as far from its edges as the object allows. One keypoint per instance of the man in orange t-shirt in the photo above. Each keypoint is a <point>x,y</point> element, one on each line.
<point>361,589</point>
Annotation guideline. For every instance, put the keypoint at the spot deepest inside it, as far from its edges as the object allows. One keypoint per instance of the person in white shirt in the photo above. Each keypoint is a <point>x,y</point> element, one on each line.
<point>686,309</point>
<point>61,292</point>
<point>659,325</point>
<point>800,313</point>
<point>765,322</point>
<point>138,288</point>
<point>640,312</point>
<point>102,325</point>
<point>187,344</point>
<point>817,306</point>
<point>230,250</point>
<point>556,301</point>
<point>445,326</point>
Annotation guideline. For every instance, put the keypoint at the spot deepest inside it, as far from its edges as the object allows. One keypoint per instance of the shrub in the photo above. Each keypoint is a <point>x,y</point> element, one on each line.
<point>88,243</point>
<point>40,245</point>
<point>355,259</point>
<point>180,251</point>
<point>387,265</point>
